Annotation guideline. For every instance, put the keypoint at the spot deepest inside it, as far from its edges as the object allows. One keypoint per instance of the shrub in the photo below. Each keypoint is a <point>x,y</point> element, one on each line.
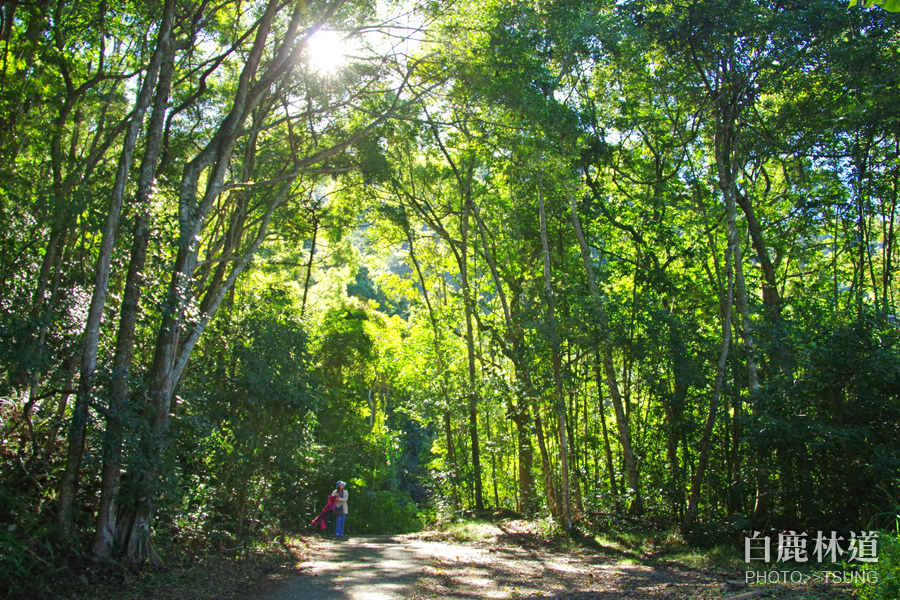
<point>383,512</point>
<point>887,569</point>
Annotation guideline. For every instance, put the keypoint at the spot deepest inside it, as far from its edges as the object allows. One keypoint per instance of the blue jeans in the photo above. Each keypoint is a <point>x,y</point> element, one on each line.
<point>339,524</point>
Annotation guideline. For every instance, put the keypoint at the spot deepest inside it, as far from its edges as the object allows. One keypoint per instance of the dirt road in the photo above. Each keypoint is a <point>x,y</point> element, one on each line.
<point>370,568</point>
<point>422,566</point>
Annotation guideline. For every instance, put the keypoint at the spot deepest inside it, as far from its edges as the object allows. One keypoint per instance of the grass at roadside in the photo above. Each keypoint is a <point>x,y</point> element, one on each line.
<point>632,545</point>
<point>470,531</point>
<point>669,547</point>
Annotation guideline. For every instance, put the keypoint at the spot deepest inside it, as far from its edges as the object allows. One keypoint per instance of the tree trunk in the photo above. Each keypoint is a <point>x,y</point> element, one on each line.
<point>610,468</point>
<point>309,265</point>
<point>173,349</point>
<point>70,369</point>
<point>528,505</point>
<point>513,351</point>
<point>559,403</point>
<point>631,468</point>
<point>703,456</point>
<point>192,217</point>
<point>78,427</point>
<point>439,355</point>
<point>728,107</point>
<point>105,526</point>
<point>546,466</point>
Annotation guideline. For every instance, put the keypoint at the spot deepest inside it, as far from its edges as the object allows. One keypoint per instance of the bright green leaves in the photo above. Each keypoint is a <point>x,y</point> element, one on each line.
<point>888,5</point>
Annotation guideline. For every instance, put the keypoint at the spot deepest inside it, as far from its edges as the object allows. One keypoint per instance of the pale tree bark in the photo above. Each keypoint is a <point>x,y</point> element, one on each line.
<point>631,467</point>
<point>78,427</point>
<point>556,359</point>
<point>105,525</point>
<point>464,175</point>
<point>725,164</point>
<point>514,351</point>
<point>69,170</point>
<point>729,97</point>
<point>174,345</point>
<point>132,532</point>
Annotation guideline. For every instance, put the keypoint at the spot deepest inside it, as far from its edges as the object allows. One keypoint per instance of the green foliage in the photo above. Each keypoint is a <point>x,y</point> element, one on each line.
<point>27,550</point>
<point>243,435</point>
<point>382,512</point>
<point>344,350</point>
<point>20,353</point>
<point>886,570</point>
<point>888,5</point>
<point>17,564</point>
<point>834,429</point>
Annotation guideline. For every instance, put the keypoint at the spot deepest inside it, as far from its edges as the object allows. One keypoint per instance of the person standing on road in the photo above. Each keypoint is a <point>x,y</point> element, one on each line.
<point>340,508</point>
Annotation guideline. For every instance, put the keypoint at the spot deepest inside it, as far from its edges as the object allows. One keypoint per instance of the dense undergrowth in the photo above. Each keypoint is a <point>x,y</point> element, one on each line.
<point>51,573</point>
<point>886,584</point>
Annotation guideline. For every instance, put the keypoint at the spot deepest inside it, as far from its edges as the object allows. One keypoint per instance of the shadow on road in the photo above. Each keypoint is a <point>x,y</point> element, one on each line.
<point>356,568</point>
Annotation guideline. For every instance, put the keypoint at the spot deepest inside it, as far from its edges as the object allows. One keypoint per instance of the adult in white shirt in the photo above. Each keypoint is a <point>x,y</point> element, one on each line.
<point>340,508</point>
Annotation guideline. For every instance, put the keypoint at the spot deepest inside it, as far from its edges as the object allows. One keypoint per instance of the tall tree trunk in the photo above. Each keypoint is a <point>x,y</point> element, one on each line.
<point>464,181</point>
<point>575,478</point>
<point>610,468</point>
<point>728,104</point>
<point>439,355</point>
<point>70,370</point>
<point>216,154</point>
<point>173,347</point>
<point>169,364</point>
<point>309,265</point>
<point>525,458</point>
<point>559,403</point>
<point>472,393</point>
<point>631,468</point>
<point>493,453</point>
<point>513,350</point>
<point>105,526</point>
<point>888,235</point>
<point>703,456</point>
<point>771,297</point>
<point>78,427</point>
<point>553,502</point>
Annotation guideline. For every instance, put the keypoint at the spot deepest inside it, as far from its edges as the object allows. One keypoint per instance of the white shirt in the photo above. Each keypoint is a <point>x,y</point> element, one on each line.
<point>341,504</point>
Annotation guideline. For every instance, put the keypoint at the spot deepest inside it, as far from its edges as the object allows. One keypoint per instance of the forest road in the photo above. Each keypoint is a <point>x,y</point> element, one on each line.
<point>425,566</point>
<point>357,568</point>
<point>421,566</point>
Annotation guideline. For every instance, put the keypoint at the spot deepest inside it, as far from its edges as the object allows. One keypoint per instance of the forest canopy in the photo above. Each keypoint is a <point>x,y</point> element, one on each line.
<point>573,259</point>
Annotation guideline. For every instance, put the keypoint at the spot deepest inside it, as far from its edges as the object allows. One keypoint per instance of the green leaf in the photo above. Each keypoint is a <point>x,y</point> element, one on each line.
<point>888,5</point>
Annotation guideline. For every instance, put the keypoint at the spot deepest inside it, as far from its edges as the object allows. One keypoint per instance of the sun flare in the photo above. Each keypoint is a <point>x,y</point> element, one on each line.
<point>326,51</point>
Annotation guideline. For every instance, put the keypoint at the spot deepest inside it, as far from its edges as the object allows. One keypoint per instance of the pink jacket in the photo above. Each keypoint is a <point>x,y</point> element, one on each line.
<point>322,519</point>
